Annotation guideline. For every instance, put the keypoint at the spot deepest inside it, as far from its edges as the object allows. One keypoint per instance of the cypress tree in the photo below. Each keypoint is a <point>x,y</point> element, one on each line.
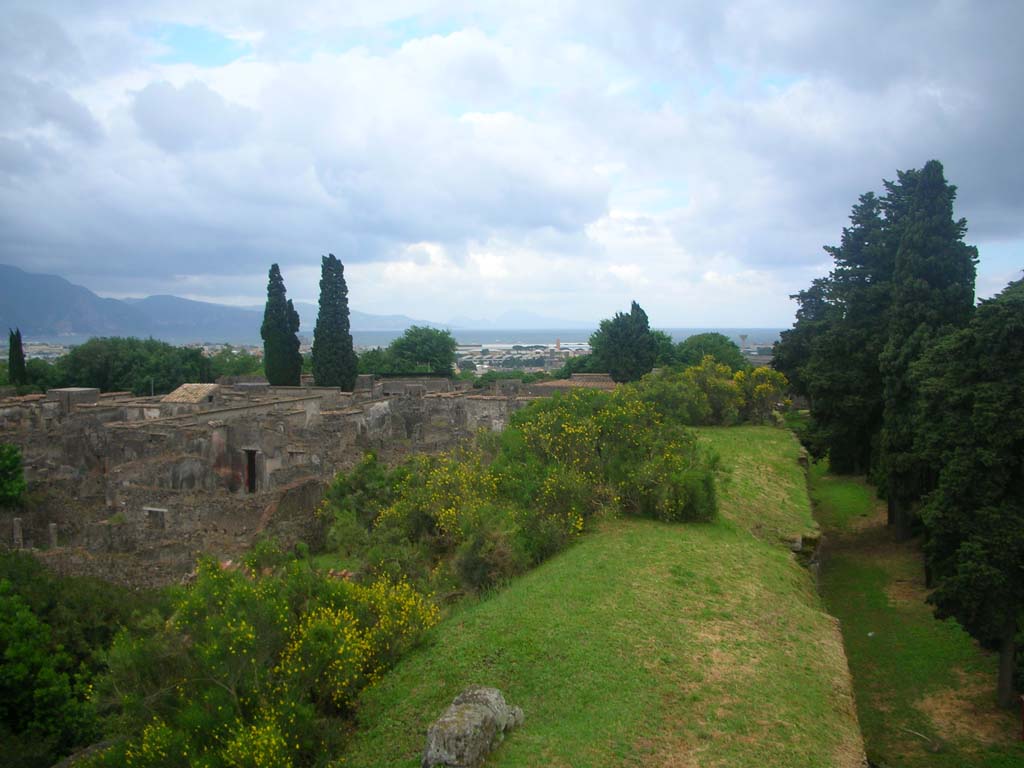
<point>932,294</point>
<point>281,358</point>
<point>292,345</point>
<point>624,346</point>
<point>842,375</point>
<point>334,359</point>
<point>971,424</point>
<point>16,371</point>
<point>793,352</point>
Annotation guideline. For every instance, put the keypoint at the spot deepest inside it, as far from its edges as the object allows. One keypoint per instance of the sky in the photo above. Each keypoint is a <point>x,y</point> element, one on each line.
<point>477,159</point>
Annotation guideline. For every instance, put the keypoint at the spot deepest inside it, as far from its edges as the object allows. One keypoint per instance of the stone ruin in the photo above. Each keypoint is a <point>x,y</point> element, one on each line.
<point>133,489</point>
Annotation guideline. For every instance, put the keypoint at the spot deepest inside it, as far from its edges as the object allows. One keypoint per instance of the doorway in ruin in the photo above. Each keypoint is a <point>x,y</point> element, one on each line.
<point>250,470</point>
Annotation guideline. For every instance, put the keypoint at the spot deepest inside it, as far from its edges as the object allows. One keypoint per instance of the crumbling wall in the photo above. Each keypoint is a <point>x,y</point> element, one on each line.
<point>120,484</point>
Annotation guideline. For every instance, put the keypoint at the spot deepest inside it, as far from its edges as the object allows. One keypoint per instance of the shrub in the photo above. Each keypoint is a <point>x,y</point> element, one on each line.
<point>12,476</point>
<point>724,394</point>
<point>488,557</point>
<point>250,656</point>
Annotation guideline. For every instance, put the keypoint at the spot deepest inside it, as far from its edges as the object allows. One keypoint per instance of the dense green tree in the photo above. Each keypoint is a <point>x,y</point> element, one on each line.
<point>423,350</point>
<point>624,346</point>
<point>232,361</point>
<point>665,350</point>
<point>137,365</point>
<point>692,349</point>
<point>12,475</point>
<point>294,344</point>
<point>376,360</point>
<point>970,422</point>
<point>793,351</point>
<point>576,364</point>
<point>281,358</point>
<point>16,372</point>
<point>842,375</point>
<point>932,294</point>
<point>334,359</point>
<point>40,715</point>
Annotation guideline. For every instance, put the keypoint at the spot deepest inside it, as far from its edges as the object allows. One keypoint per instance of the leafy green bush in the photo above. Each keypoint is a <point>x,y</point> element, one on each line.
<point>41,713</point>
<point>487,558</point>
<point>12,476</point>
<point>66,625</point>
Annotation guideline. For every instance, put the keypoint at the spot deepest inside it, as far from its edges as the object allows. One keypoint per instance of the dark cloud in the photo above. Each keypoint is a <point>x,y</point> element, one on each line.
<point>30,104</point>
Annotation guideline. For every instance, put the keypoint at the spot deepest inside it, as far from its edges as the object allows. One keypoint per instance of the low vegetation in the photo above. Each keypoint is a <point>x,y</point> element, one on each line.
<point>647,643</point>
<point>12,475</point>
<point>53,634</point>
<point>472,518</point>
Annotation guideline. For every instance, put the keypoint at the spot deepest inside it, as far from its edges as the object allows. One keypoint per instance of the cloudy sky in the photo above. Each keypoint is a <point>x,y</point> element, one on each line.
<point>465,160</point>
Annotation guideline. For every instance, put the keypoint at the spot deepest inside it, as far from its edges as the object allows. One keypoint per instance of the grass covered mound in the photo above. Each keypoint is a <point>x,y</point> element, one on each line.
<point>648,643</point>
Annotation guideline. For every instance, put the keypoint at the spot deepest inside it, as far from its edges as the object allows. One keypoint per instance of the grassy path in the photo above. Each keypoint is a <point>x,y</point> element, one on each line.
<point>925,691</point>
<point>648,644</point>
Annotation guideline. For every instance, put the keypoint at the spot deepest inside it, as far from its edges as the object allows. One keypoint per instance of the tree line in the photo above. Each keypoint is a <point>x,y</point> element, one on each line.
<point>910,383</point>
<point>334,362</point>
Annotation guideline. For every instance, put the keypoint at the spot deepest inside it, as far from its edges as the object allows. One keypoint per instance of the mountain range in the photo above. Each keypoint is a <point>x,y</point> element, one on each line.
<point>50,308</point>
<point>47,307</point>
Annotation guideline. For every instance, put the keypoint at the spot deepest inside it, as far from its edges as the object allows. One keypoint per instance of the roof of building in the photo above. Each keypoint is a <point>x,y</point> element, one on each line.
<point>191,393</point>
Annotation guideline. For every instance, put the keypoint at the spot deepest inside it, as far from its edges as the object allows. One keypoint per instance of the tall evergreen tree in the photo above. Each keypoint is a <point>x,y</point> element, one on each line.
<point>16,371</point>
<point>842,376</point>
<point>970,422</point>
<point>281,358</point>
<point>932,294</point>
<point>334,358</point>
<point>793,351</point>
<point>624,346</point>
<point>293,345</point>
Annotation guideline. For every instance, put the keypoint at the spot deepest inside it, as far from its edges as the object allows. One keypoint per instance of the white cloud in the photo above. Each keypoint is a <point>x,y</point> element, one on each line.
<point>563,159</point>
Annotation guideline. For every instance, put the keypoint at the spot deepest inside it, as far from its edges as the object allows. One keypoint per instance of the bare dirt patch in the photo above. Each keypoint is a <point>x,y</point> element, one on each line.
<point>968,713</point>
<point>904,591</point>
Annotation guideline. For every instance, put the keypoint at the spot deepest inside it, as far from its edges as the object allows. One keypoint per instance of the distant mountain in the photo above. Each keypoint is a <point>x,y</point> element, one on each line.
<point>47,307</point>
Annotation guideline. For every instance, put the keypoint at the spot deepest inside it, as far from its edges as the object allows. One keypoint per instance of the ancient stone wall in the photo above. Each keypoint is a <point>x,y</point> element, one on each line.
<point>136,479</point>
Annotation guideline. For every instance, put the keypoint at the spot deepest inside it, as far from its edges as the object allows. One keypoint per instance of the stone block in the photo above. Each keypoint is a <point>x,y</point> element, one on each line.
<point>469,729</point>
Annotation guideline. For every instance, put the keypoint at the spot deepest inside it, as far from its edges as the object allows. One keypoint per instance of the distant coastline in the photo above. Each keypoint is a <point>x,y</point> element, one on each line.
<point>567,336</point>
<point>500,337</point>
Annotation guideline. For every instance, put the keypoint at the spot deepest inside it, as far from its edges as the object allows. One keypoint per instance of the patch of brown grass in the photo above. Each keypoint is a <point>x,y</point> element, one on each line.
<point>967,712</point>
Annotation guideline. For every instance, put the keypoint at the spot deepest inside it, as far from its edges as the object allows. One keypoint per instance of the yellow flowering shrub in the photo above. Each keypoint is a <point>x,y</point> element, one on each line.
<point>259,745</point>
<point>254,663</point>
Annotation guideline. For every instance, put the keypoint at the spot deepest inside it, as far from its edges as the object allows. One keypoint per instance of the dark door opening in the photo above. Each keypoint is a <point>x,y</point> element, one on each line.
<point>250,470</point>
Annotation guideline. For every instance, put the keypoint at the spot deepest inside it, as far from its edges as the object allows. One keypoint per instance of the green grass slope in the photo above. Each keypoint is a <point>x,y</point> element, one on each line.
<point>649,644</point>
<point>925,690</point>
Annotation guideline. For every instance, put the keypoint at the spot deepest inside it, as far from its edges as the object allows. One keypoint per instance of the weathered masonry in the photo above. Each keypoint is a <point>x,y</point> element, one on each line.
<point>134,488</point>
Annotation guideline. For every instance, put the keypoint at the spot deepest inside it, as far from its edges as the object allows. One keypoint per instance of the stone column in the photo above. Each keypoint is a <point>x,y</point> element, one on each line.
<point>19,539</point>
<point>53,535</point>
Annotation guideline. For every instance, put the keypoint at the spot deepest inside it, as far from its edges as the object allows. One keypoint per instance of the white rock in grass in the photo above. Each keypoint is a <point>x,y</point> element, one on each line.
<point>468,730</point>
